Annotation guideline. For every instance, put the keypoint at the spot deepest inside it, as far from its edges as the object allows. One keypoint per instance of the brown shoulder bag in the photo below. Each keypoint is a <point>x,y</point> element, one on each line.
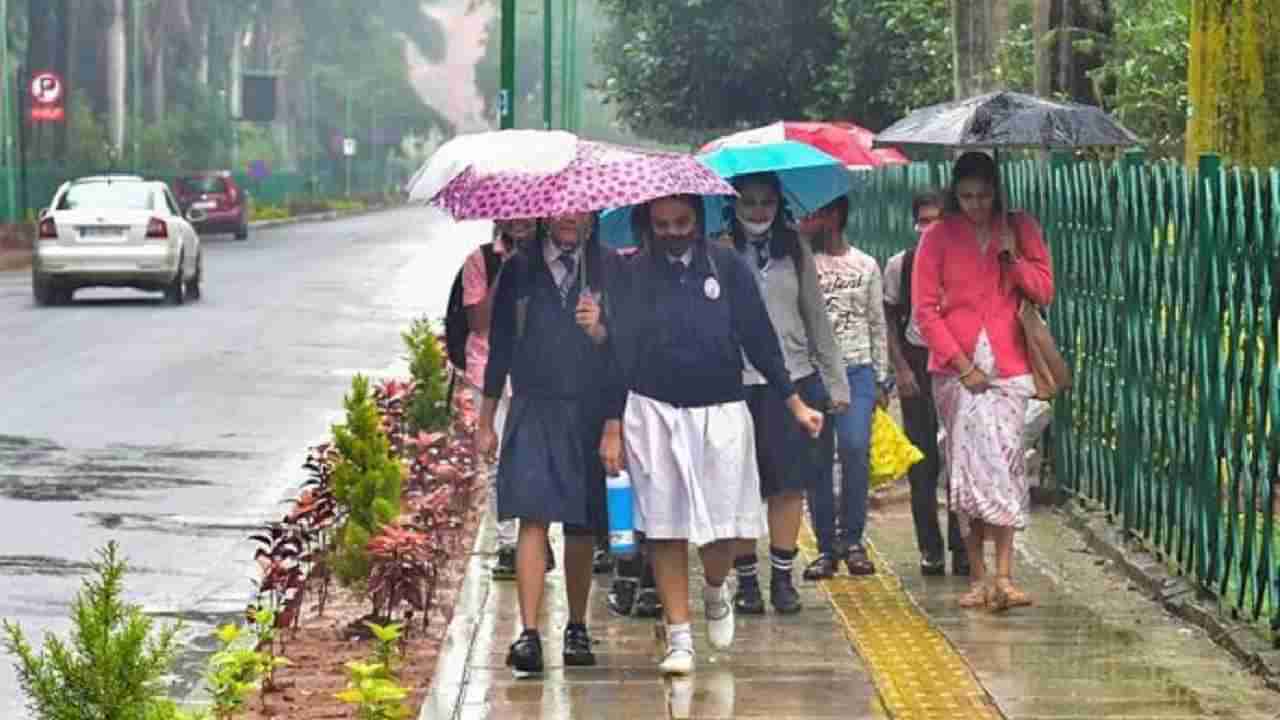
<point>1051,373</point>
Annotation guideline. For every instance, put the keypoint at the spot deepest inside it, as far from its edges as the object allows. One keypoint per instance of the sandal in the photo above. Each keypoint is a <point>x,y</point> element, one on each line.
<point>1006,595</point>
<point>857,561</point>
<point>979,595</point>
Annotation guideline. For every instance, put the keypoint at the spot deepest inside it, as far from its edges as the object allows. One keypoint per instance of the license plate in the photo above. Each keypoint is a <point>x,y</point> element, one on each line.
<point>204,205</point>
<point>102,234</point>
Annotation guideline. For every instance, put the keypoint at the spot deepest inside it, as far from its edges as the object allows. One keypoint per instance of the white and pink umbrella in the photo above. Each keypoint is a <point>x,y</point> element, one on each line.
<point>513,174</point>
<point>848,143</point>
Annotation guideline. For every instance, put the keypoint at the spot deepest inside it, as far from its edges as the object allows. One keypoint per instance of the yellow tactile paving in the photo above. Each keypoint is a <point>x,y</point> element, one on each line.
<point>917,672</point>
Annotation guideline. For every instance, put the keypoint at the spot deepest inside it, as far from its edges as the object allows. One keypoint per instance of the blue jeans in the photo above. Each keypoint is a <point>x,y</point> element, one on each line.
<point>851,433</point>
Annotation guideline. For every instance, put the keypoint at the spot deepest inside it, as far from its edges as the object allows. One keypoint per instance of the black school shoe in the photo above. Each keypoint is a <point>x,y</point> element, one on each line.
<point>505,567</point>
<point>601,561</point>
<point>577,646</point>
<point>525,655</point>
<point>960,564</point>
<point>933,567</point>
<point>622,596</point>
<point>748,600</point>
<point>783,595</point>
<point>648,604</point>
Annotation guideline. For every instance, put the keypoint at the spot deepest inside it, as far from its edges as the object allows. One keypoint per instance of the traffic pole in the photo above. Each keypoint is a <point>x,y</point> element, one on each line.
<point>547,35</point>
<point>507,94</point>
<point>135,96</point>
<point>6,153</point>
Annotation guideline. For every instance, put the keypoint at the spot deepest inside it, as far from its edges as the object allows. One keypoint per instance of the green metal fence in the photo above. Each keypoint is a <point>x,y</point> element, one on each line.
<point>1167,306</point>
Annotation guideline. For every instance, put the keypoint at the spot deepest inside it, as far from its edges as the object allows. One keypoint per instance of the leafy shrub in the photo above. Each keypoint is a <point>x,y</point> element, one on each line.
<point>366,482</point>
<point>111,666</point>
<point>234,672</point>
<point>429,408</point>
<point>374,694</point>
<point>402,571</point>
<point>269,212</point>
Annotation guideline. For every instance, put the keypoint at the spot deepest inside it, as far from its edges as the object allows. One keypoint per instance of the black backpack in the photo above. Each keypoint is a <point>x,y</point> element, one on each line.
<point>456,327</point>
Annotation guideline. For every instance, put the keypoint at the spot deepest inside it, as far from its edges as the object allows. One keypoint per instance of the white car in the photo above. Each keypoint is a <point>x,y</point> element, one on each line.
<point>115,231</point>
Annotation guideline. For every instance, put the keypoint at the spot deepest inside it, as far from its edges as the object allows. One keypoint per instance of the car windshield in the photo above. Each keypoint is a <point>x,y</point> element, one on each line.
<point>106,196</point>
<point>202,184</point>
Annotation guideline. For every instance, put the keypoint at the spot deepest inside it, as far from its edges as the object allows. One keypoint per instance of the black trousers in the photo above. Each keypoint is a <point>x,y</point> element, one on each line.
<point>920,420</point>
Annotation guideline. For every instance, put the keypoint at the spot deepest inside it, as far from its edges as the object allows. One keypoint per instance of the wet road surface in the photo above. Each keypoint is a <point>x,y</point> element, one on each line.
<point>176,430</point>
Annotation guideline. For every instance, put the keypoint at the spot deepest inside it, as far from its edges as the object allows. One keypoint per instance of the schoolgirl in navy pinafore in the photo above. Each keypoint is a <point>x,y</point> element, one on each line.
<point>549,469</point>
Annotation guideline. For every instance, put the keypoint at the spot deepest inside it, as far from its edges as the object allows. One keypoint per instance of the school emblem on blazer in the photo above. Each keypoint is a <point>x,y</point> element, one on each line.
<point>712,288</point>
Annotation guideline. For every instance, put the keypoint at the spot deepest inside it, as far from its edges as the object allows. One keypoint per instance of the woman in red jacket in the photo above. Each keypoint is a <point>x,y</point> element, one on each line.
<point>972,271</point>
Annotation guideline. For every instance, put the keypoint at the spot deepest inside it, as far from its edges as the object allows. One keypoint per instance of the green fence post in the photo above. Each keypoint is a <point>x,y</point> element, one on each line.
<point>1130,238</point>
<point>1208,354</point>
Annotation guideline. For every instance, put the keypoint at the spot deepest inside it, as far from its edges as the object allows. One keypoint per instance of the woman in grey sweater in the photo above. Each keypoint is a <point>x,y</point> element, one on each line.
<point>788,458</point>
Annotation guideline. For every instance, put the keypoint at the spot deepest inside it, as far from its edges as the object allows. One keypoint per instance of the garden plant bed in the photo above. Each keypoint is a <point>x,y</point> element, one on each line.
<point>319,651</point>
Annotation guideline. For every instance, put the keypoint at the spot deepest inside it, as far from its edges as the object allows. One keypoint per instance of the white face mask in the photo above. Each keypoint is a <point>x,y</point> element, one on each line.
<point>755,229</point>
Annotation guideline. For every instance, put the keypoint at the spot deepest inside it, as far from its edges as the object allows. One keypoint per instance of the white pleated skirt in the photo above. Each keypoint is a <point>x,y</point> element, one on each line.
<point>693,471</point>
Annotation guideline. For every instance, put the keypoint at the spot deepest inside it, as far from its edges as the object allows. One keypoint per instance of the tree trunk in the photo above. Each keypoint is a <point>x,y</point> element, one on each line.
<point>1234,86</point>
<point>204,30</point>
<point>158,79</point>
<point>978,28</point>
<point>1041,27</point>
<point>116,73</point>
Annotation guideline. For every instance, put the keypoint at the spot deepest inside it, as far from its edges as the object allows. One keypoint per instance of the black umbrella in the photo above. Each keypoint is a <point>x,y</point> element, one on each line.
<point>1005,120</point>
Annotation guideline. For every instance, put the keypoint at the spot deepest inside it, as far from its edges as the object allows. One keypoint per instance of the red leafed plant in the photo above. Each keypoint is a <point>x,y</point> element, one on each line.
<point>283,582</point>
<point>403,571</point>
<point>392,398</point>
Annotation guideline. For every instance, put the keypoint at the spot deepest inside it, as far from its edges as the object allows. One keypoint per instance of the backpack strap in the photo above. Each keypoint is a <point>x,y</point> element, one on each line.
<point>492,261</point>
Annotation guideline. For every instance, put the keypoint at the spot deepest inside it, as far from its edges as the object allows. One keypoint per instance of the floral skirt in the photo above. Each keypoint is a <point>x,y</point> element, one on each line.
<point>983,444</point>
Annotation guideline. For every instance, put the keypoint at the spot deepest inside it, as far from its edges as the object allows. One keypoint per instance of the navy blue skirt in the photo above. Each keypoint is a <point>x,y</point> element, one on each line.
<point>788,458</point>
<point>549,469</point>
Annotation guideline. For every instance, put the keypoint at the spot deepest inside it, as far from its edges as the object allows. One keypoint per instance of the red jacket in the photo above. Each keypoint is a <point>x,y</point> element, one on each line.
<point>957,290</point>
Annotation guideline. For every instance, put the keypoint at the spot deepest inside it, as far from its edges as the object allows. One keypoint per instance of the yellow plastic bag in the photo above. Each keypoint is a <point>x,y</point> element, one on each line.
<point>892,454</point>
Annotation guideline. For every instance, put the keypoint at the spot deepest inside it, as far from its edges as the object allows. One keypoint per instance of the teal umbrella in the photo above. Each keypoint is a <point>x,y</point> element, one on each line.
<point>810,179</point>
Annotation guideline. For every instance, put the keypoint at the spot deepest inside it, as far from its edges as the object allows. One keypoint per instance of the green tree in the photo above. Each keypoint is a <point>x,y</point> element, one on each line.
<point>112,665</point>
<point>894,56</point>
<point>685,70</point>
<point>1143,79</point>
<point>366,481</point>
<point>429,407</point>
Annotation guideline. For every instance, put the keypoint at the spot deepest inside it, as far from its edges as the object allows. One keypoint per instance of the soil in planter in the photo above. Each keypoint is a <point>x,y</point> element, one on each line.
<point>319,652</point>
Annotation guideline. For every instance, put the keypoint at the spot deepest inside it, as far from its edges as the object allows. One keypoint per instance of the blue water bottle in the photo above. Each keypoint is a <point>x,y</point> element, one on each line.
<point>622,533</point>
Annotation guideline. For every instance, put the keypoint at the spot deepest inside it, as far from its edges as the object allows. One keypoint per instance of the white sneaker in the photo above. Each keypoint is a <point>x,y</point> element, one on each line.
<point>719,608</point>
<point>678,661</point>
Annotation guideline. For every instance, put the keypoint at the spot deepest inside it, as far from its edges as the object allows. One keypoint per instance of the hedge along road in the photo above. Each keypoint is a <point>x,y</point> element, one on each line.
<point>176,430</point>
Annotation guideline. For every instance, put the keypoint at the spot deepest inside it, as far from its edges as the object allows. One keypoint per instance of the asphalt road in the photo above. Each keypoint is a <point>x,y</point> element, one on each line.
<point>176,430</point>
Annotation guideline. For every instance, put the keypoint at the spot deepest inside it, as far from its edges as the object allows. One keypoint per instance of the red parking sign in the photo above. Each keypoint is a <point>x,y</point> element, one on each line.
<point>47,94</point>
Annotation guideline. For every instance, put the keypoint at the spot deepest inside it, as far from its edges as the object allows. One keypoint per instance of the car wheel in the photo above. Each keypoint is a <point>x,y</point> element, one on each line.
<point>193,285</point>
<point>42,289</point>
<point>176,293</point>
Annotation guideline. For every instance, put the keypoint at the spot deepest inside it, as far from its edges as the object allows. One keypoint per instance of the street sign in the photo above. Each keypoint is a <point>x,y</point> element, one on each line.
<point>47,94</point>
<point>349,147</point>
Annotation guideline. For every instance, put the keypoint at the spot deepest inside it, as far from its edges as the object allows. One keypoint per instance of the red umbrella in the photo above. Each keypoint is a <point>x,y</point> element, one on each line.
<point>849,143</point>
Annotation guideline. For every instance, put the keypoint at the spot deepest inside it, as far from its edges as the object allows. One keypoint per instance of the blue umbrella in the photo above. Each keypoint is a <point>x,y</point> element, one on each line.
<point>810,179</point>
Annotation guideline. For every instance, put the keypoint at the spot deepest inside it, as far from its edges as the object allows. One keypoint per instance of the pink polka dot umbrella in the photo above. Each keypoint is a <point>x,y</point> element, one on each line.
<point>597,176</point>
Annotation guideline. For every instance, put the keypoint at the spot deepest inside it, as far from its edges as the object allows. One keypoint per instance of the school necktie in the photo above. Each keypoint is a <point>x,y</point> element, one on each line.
<point>566,284</point>
<point>677,271</point>
<point>762,252</point>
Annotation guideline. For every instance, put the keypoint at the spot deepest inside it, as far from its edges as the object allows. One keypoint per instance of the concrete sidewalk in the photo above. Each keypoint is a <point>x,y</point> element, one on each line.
<point>892,645</point>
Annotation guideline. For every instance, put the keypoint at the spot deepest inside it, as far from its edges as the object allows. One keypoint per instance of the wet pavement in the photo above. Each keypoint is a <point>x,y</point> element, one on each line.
<point>894,645</point>
<point>799,666</point>
<point>177,430</point>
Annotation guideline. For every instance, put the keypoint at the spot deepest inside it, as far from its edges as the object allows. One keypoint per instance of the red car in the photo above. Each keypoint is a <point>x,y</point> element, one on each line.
<point>215,193</point>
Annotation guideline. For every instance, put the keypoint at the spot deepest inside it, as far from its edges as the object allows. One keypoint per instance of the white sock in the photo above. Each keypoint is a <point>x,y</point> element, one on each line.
<point>680,637</point>
<point>714,593</point>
